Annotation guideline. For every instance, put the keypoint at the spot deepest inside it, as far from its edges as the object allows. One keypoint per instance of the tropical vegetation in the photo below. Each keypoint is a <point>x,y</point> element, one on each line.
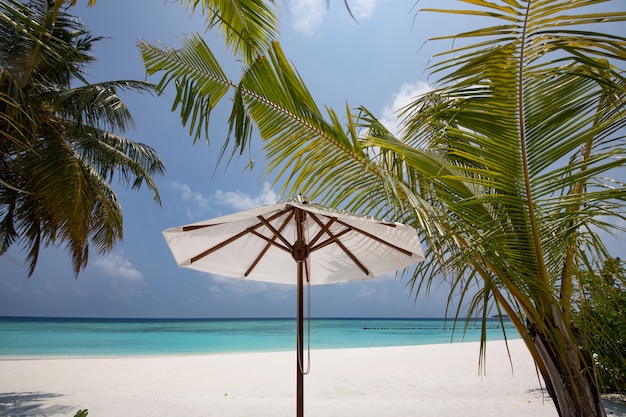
<point>508,168</point>
<point>60,137</point>
<point>603,309</point>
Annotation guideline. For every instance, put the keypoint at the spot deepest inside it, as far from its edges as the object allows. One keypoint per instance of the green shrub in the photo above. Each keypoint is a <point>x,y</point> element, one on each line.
<point>602,314</point>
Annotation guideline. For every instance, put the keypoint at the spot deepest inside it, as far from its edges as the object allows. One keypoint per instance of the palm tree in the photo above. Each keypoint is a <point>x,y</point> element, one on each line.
<point>60,137</point>
<point>505,168</point>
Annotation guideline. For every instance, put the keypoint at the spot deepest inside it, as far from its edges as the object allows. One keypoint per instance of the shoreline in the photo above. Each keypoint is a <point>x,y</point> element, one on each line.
<point>40,357</point>
<point>429,380</point>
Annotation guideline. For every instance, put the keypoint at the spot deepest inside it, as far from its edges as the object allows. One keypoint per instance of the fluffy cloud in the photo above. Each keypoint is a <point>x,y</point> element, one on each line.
<point>195,203</point>
<point>243,201</point>
<point>365,291</point>
<point>407,93</point>
<point>362,9</point>
<point>308,15</point>
<point>117,266</point>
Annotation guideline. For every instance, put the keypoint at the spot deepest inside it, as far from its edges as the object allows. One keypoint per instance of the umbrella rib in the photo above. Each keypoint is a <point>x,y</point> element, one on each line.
<point>276,232</point>
<point>270,242</point>
<point>222,244</point>
<point>325,228</point>
<point>379,240</point>
<point>228,241</point>
<point>196,227</point>
<point>334,238</point>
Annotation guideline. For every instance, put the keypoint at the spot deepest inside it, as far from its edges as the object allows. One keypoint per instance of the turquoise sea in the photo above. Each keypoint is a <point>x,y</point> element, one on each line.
<point>127,337</point>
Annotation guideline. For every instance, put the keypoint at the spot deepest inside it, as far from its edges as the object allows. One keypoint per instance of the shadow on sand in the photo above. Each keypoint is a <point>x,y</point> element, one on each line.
<point>615,404</point>
<point>31,404</point>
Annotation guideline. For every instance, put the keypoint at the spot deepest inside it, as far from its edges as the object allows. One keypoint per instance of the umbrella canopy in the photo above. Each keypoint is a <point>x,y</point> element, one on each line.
<point>261,244</point>
<point>325,245</point>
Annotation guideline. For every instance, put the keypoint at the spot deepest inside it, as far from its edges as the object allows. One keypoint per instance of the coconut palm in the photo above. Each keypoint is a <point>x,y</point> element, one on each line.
<point>60,138</point>
<point>507,167</point>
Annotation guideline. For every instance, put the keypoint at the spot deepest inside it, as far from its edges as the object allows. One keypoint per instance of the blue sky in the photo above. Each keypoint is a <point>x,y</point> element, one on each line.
<point>379,63</point>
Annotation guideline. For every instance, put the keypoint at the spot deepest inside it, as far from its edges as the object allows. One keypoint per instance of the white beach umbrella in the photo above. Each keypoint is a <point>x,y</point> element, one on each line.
<point>325,245</point>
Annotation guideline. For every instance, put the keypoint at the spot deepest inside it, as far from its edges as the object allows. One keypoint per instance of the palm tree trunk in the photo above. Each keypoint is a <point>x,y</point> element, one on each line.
<point>569,373</point>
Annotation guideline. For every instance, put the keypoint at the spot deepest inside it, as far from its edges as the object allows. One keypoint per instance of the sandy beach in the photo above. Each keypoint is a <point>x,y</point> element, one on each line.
<point>430,380</point>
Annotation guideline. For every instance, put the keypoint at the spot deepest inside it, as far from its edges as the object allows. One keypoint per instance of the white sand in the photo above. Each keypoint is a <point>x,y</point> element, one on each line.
<point>432,380</point>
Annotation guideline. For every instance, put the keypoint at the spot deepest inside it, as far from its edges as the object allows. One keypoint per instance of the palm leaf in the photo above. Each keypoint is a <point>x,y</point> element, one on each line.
<point>97,105</point>
<point>247,26</point>
<point>59,143</point>
<point>271,94</point>
<point>200,81</point>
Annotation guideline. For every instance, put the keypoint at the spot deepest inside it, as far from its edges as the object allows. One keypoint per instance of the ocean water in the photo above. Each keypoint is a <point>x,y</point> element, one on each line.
<point>128,337</point>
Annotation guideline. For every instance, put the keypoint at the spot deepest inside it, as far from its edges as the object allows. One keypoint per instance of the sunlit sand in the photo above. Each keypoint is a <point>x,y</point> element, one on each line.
<point>430,380</point>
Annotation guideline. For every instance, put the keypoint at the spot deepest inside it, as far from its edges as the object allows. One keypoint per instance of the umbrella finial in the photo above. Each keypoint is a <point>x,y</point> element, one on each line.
<point>300,198</point>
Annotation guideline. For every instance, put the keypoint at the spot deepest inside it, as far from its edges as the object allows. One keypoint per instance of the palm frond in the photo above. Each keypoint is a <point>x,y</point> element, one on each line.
<point>247,26</point>
<point>59,143</point>
<point>199,80</point>
<point>97,105</point>
<point>70,206</point>
<point>110,155</point>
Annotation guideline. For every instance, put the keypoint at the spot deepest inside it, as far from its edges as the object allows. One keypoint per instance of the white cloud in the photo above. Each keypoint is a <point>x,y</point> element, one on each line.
<point>243,201</point>
<point>362,9</point>
<point>365,291</point>
<point>117,266</point>
<point>307,14</point>
<point>196,203</point>
<point>407,93</point>
<point>10,287</point>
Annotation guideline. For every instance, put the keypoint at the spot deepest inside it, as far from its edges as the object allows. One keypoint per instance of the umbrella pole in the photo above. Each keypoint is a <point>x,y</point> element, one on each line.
<point>300,255</point>
<point>300,344</point>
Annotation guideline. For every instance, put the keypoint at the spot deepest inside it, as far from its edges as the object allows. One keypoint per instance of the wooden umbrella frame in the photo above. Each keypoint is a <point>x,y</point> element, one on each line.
<point>300,251</point>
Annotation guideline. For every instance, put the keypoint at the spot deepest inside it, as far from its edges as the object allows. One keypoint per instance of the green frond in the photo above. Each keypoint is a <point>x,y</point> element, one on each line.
<point>112,155</point>
<point>247,26</point>
<point>68,204</point>
<point>17,126</point>
<point>97,105</point>
<point>59,142</point>
<point>199,80</point>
